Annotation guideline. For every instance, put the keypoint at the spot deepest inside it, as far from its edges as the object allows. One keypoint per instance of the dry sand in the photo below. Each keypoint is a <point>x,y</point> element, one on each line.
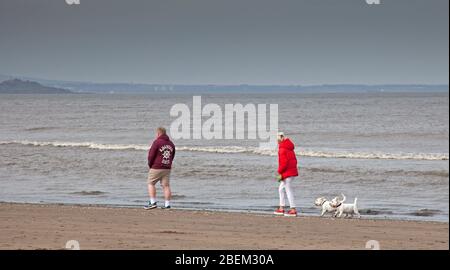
<point>31,226</point>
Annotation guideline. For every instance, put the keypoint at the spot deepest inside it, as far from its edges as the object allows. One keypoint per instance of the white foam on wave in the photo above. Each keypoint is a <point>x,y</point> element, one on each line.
<point>241,149</point>
<point>323,154</point>
<point>91,145</point>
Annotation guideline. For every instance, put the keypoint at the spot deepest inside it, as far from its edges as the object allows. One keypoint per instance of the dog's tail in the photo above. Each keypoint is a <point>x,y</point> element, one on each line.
<point>343,198</point>
<point>356,199</point>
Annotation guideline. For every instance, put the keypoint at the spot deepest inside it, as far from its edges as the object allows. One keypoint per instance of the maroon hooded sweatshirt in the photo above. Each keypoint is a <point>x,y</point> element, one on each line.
<point>161,154</point>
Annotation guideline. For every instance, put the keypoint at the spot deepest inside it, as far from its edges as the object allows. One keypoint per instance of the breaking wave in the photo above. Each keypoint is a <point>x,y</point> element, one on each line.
<point>241,149</point>
<point>91,145</point>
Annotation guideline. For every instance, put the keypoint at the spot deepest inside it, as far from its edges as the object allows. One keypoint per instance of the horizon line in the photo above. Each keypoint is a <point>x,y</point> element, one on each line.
<point>31,78</point>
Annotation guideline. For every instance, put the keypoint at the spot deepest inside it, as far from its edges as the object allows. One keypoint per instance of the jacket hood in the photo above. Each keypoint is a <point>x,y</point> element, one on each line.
<point>286,144</point>
<point>164,137</point>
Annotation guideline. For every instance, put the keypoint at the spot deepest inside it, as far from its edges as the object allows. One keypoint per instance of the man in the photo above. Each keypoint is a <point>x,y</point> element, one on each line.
<point>160,157</point>
<point>287,170</point>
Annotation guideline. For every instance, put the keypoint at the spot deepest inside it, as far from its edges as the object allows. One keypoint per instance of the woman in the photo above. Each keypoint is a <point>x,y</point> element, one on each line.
<point>287,170</point>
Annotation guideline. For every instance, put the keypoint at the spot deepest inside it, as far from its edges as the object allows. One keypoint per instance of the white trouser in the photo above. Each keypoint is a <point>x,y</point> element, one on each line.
<point>285,185</point>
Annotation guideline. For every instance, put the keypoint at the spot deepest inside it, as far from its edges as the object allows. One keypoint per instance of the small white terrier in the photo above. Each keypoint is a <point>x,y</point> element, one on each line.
<point>345,208</point>
<point>326,206</point>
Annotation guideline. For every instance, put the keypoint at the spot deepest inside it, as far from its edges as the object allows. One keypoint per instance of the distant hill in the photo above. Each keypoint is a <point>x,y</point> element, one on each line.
<point>16,86</point>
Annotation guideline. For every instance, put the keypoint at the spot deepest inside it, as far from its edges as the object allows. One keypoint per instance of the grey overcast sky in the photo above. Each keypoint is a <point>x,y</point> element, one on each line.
<point>227,41</point>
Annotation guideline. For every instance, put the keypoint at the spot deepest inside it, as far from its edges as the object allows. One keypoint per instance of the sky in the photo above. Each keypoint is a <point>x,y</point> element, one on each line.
<point>262,42</point>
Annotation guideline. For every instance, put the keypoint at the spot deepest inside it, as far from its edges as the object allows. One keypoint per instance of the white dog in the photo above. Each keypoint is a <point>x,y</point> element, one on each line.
<point>326,206</point>
<point>345,208</point>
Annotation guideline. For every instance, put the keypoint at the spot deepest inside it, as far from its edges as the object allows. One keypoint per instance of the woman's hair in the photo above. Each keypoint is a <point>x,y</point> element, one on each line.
<point>280,136</point>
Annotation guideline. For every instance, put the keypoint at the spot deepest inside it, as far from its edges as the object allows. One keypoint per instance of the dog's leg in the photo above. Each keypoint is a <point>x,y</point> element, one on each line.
<point>323,212</point>
<point>355,209</point>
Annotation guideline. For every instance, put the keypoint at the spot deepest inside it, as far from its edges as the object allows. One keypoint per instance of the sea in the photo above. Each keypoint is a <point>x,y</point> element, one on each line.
<point>390,150</point>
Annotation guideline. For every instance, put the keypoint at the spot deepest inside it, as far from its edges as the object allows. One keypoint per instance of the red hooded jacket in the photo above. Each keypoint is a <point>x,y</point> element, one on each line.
<point>161,154</point>
<point>287,162</point>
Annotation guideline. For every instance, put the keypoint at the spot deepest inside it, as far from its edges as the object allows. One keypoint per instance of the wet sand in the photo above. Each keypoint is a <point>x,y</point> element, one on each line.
<point>35,226</point>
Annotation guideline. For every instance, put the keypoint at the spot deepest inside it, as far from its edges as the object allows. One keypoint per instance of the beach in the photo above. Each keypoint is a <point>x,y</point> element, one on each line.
<point>50,226</point>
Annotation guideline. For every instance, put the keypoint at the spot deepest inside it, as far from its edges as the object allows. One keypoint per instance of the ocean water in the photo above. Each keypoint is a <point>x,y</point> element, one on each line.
<point>388,149</point>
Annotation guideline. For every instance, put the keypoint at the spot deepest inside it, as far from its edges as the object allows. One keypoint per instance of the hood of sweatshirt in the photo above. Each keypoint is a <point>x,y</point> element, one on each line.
<point>286,144</point>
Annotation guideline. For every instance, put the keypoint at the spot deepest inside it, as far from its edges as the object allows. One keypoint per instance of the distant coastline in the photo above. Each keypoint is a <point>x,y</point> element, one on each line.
<point>123,88</point>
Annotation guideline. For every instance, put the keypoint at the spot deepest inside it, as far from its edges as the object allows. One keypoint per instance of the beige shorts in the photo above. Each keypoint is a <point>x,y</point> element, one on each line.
<point>156,175</point>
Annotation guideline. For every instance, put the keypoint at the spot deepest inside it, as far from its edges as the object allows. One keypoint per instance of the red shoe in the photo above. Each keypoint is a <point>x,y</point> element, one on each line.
<point>279,212</point>
<point>291,213</point>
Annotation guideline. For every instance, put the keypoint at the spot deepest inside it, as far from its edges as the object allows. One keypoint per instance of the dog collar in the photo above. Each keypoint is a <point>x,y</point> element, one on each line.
<point>338,205</point>
<point>323,202</point>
